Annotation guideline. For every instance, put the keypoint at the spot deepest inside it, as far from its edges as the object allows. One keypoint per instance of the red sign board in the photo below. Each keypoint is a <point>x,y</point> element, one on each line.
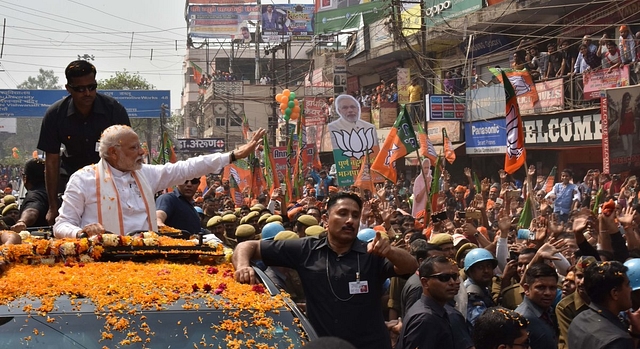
<point>550,98</point>
<point>599,80</point>
<point>281,163</point>
<point>315,109</point>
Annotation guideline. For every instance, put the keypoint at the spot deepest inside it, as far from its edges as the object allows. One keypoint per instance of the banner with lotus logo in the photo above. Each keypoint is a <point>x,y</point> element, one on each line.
<point>353,141</point>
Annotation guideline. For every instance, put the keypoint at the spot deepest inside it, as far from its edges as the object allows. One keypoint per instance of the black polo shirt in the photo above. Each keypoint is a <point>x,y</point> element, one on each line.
<point>426,325</point>
<point>79,134</point>
<point>36,198</point>
<point>181,214</point>
<point>325,277</point>
<point>599,328</point>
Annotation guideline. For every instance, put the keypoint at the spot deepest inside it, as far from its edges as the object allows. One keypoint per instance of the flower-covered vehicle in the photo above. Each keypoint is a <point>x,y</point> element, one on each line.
<point>143,291</point>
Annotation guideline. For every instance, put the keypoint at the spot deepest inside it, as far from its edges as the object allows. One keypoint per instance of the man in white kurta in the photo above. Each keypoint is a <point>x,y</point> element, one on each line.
<point>116,194</point>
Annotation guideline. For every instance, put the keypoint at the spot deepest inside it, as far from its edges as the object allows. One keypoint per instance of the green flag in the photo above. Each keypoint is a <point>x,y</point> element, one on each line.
<point>401,141</point>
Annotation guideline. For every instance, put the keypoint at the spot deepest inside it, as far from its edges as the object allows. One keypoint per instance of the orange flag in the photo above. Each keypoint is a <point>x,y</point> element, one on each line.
<point>364,180</point>
<point>203,184</point>
<point>449,152</point>
<point>521,82</point>
<point>427,149</point>
<point>516,153</point>
<point>400,142</point>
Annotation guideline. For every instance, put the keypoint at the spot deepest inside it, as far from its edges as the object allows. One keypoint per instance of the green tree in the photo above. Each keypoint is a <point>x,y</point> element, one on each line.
<point>46,80</point>
<point>125,80</point>
<point>147,128</point>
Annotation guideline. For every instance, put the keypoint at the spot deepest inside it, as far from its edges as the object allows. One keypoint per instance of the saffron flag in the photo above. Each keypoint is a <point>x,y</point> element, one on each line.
<point>449,152</point>
<point>548,184</point>
<point>516,154</point>
<point>239,176</point>
<point>427,149</point>
<point>270,174</point>
<point>364,180</point>
<point>520,80</point>
<point>203,187</point>
<point>400,142</point>
<point>245,127</point>
<point>197,73</point>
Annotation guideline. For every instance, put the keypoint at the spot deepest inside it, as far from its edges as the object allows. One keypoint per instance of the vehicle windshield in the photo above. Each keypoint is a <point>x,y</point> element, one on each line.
<point>205,328</point>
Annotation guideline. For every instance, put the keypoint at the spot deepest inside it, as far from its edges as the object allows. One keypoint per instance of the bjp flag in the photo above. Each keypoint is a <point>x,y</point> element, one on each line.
<point>516,154</point>
<point>364,179</point>
<point>521,82</point>
<point>427,149</point>
<point>400,142</point>
<point>449,152</point>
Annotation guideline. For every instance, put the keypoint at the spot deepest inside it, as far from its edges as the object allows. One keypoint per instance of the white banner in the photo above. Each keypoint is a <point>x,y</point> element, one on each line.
<point>8,125</point>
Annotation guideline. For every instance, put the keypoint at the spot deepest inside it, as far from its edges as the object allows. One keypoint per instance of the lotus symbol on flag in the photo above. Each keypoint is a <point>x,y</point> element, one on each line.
<point>355,143</point>
<point>519,85</point>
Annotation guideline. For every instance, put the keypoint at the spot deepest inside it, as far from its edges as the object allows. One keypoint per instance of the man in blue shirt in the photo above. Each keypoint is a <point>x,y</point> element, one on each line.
<point>176,209</point>
<point>541,284</point>
<point>567,196</point>
<point>323,181</point>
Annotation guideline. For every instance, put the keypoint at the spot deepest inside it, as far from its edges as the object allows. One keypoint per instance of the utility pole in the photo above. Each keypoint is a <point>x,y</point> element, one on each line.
<point>273,119</point>
<point>257,43</point>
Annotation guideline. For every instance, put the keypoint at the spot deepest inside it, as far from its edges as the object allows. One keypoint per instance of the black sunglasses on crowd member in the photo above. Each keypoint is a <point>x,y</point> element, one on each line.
<point>90,87</point>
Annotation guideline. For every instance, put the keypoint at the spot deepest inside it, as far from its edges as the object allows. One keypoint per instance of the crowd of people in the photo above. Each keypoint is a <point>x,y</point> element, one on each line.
<point>565,58</point>
<point>373,98</point>
<point>496,263</point>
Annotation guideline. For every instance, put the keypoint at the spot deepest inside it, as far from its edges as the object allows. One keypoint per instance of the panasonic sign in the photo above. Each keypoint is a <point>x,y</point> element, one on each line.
<point>437,9</point>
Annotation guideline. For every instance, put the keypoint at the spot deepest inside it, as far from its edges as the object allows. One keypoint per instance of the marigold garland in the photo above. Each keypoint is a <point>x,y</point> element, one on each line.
<point>153,285</point>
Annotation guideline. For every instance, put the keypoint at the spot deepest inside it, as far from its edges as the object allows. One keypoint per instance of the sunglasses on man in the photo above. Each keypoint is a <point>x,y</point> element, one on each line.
<point>83,88</point>
<point>445,277</point>
<point>194,181</point>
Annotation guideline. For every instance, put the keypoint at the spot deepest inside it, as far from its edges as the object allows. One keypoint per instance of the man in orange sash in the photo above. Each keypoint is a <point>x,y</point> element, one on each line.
<point>116,194</point>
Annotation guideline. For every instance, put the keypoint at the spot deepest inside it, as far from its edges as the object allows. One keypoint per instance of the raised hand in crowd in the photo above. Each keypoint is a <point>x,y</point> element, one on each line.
<point>485,185</point>
<point>531,171</point>
<point>626,217</point>
<point>503,175</point>
<point>556,226</point>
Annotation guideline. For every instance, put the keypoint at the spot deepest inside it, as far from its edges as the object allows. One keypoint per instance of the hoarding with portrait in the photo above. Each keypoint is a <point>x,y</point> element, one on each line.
<point>294,21</point>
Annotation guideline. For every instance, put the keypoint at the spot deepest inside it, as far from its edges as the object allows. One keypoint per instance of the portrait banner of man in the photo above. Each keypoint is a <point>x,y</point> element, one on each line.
<point>353,141</point>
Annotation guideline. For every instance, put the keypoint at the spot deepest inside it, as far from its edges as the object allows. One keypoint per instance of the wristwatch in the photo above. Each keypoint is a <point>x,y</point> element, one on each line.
<point>232,155</point>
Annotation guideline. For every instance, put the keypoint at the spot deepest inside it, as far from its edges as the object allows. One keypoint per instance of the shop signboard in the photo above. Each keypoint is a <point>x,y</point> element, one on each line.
<point>550,98</point>
<point>486,137</point>
<point>563,130</point>
<point>485,103</point>
<point>437,11</point>
<point>620,151</point>
<point>315,110</point>
<point>200,145</point>
<point>485,44</point>
<point>602,79</point>
<point>445,107</point>
<point>349,18</point>
<point>281,162</point>
<point>434,131</point>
